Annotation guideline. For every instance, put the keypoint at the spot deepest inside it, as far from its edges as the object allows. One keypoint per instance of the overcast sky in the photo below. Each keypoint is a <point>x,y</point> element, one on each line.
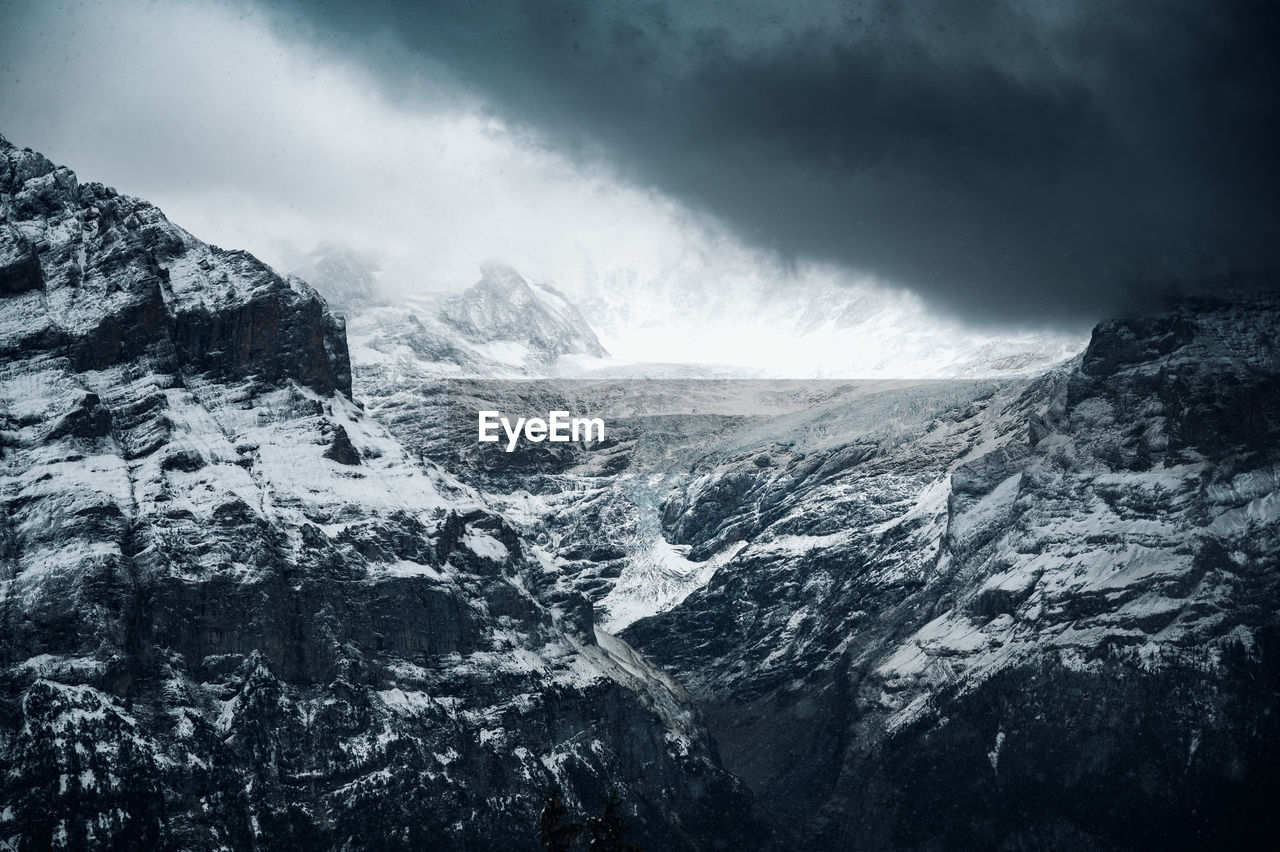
<point>1019,163</point>
<point>252,140</point>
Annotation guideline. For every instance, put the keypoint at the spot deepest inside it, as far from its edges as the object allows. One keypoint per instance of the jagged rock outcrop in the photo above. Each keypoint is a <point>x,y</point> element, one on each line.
<point>148,288</point>
<point>236,613</point>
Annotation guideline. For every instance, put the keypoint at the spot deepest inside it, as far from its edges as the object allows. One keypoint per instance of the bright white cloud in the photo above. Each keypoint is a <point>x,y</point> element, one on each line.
<point>250,141</point>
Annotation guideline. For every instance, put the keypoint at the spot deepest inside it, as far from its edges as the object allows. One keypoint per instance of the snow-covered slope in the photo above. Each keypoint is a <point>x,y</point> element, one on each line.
<point>505,307</point>
<point>600,508</point>
<point>684,324</point>
<point>235,612</point>
<point>1000,599</point>
<point>808,324</point>
<point>1045,619</point>
<point>503,326</point>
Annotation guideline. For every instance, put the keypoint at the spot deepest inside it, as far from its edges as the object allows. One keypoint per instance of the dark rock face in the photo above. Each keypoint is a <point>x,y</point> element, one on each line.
<point>342,450</point>
<point>113,280</point>
<point>236,613</point>
<point>89,419</point>
<point>1207,379</point>
<point>19,267</point>
<point>1048,621</point>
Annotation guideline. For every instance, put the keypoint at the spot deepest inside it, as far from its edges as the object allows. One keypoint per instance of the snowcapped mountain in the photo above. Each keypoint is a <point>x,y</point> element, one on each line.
<point>1030,608</point>
<point>235,611</point>
<point>944,614</point>
<point>1044,619</point>
<point>503,326</point>
<point>505,307</point>
<point>600,508</point>
<point>345,278</point>
<point>690,322</point>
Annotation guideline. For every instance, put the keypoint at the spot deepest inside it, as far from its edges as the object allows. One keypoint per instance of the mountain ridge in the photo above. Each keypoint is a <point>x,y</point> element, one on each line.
<point>236,612</point>
<point>925,650</point>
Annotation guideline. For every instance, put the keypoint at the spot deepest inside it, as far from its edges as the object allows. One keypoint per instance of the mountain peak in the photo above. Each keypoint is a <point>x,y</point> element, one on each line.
<point>506,306</point>
<point>344,276</point>
<point>502,273</point>
<point>19,165</point>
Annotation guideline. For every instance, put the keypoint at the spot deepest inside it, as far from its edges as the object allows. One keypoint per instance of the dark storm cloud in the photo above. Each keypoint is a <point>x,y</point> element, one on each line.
<point>1030,161</point>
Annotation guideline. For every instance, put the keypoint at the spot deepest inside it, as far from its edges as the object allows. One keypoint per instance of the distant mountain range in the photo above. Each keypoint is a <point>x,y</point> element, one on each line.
<point>508,325</point>
<point>236,613</point>
<point>261,588</point>
<point>943,614</point>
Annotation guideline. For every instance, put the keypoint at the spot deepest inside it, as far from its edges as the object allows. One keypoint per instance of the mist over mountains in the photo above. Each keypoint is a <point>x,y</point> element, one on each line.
<point>1024,161</point>
<point>1032,166</point>
<point>681,325</point>
<point>935,503</point>
<point>261,587</point>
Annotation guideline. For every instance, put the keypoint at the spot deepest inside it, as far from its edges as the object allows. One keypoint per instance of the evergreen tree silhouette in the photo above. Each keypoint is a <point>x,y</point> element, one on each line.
<point>555,836</point>
<point>609,830</point>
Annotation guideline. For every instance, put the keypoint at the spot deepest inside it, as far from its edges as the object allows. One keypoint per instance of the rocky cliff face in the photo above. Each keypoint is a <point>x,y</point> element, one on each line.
<point>235,612</point>
<point>1018,614</point>
<point>1047,620</point>
<point>1025,613</point>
